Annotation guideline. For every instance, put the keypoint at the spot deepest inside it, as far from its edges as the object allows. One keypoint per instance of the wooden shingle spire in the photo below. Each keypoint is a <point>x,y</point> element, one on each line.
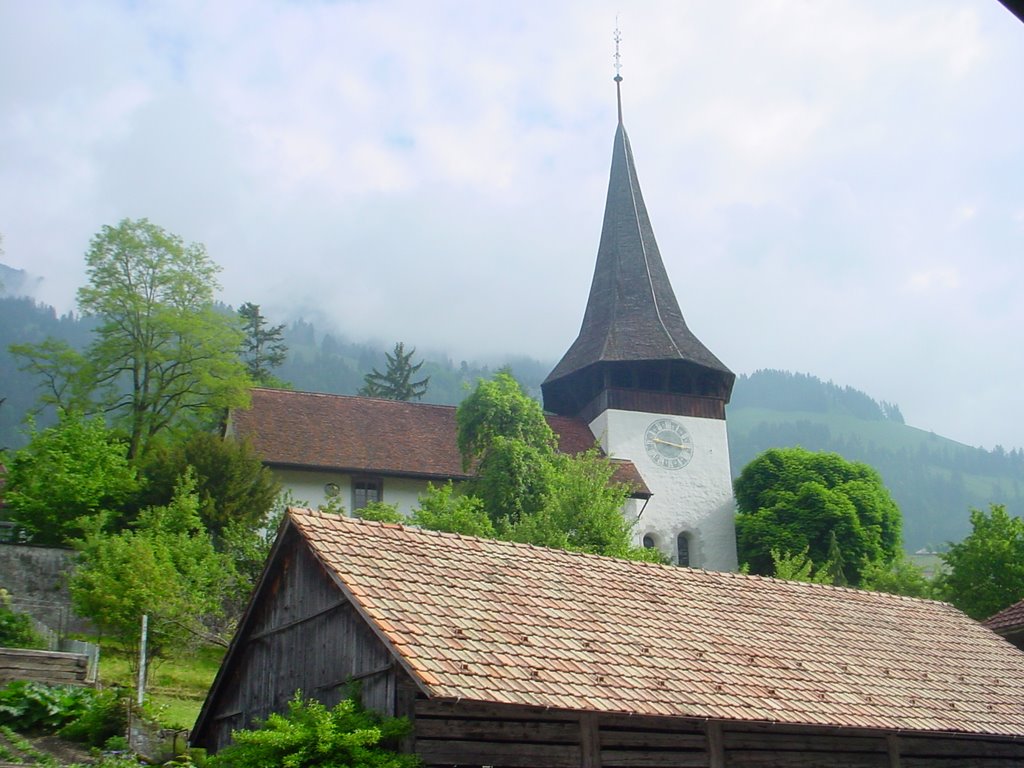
<point>633,335</point>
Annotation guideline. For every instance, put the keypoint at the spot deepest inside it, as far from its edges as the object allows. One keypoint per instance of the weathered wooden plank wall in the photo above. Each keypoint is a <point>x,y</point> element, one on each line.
<point>468,734</point>
<point>303,636</point>
<point>43,666</point>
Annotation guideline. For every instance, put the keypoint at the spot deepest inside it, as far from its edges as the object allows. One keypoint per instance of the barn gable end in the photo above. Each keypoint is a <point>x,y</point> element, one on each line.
<point>300,632</point>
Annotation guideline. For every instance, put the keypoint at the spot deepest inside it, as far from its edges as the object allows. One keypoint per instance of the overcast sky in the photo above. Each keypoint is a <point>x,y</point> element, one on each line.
<point>837,188</point>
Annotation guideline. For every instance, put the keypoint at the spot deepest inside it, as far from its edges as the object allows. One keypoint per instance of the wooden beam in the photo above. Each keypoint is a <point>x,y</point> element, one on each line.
<point>716,745</point>
<point>893,742</point>
<point>590,741</point>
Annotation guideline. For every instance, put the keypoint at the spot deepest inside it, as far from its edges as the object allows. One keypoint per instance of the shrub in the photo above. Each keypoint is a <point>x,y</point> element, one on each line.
<point>76,714</point>
<point>312,736</point>
<point>16,629</point>
<point>29,706</point>
<point>104,718</point>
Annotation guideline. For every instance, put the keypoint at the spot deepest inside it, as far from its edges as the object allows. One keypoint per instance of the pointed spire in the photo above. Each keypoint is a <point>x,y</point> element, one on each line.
<point>632,322</point>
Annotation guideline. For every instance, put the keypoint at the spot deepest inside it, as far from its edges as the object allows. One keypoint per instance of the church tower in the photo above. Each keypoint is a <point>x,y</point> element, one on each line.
<point>649,389</point>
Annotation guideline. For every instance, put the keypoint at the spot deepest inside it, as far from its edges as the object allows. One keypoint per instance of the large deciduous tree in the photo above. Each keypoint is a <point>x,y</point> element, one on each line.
<point>985,572</point>
<point>791,501</point>
<point>164,357</point>
<point>396,383</point>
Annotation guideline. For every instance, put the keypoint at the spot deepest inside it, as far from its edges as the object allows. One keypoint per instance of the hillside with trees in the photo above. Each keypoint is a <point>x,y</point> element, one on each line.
<point>934,480</point>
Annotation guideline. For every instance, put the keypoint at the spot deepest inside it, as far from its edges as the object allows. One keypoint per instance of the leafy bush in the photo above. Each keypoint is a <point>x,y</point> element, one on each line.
<point>313,736</point>
<point>28,706</point>
<point>77,714</point>
<point>104,718</point>
<point>16,630</point>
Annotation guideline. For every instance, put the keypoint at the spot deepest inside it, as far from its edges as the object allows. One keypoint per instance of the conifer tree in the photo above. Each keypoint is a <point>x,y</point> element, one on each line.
<point>263,347</point>
<point>396,383</point>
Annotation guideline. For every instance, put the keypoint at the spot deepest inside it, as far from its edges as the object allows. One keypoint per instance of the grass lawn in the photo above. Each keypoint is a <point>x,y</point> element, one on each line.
<point>176,686</point>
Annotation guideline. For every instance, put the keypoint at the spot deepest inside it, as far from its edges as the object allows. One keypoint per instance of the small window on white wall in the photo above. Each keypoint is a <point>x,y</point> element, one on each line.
<point>366,490</point>
<point>683,549</point>
<point>648,541</point>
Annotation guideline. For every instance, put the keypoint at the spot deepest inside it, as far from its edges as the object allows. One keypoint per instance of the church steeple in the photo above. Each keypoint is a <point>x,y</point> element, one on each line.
<point>634,350</point>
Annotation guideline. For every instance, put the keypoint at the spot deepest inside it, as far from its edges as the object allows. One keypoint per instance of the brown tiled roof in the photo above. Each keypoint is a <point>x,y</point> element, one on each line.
<point>509,623</point>
<point>1007,621</point>
<point>312,430</point>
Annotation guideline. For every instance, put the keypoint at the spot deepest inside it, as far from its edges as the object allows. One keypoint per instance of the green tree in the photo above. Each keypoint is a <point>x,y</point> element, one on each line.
<point>164,357</point>
<point>530,491</point>
<point>985,572</point>
<point>263,347</point>
<point>791,500</point>
<point>70,478</point>
<point>166,568</point>
<point>233,485</point>
<point>396,383</point>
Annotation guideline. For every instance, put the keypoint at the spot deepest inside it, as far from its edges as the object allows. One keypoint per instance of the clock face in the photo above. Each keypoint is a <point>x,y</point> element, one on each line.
<point>668,444</point>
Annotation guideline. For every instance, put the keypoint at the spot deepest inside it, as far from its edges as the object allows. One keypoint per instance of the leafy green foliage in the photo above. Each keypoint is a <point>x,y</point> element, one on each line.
<point>985,572</point>
<point>166,568</point>
<point>106,716</point>
<point>381,512</point>
<point>797,566</point>
<point>16,628</point>
<point>263,347</point>
<point>29,706</point>
<point>233,486</point>
<point>312,736</point>
<point>499,408</point>
<point>442,508</point>
<point>396,383</point>
<point>68,479</point>
<point>900,577</point>
<point>530,491</point>
<point>791,500</point>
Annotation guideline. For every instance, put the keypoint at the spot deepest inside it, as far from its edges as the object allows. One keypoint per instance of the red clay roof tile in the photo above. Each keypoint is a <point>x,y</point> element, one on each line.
<point>591,633</point>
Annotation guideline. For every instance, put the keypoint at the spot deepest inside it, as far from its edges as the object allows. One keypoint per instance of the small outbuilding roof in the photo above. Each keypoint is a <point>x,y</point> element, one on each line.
<point>1009,621</point>
<point>345,433</point>
<point>506,623</point>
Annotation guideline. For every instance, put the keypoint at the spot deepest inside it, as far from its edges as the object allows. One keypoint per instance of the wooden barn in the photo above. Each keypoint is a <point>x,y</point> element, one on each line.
<point>504,654</point>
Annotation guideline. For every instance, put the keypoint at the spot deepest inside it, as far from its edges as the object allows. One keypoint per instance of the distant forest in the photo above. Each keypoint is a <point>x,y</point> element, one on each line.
<point>934,480</point>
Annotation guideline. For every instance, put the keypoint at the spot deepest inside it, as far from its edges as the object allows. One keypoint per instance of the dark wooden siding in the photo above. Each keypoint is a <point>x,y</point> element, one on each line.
<point>301,635</point>
<point>466,734</point>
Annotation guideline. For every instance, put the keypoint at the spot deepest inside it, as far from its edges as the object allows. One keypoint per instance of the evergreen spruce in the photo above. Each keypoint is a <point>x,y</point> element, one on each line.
<point>396,383</point>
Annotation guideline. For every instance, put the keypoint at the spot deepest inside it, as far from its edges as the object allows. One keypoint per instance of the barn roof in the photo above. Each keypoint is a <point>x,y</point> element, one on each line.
<point>632,313</point>
<point>1008,621</point>
<point>313,430</point>
<point>506,623</point>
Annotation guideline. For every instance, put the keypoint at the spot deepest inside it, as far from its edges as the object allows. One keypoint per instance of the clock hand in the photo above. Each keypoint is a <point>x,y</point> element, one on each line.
<point>666,442</point>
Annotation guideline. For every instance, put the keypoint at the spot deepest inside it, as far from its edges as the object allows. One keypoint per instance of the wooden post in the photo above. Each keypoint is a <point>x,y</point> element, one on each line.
<point>716,745</point>
<point>590,742</point>
<point>893,742</point>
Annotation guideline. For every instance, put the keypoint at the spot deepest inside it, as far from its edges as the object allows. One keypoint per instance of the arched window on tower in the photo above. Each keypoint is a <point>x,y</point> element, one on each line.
<point>648,541</point>
<point>683,549</point>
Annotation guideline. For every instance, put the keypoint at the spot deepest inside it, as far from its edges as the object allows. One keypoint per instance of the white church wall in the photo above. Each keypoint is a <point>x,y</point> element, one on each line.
<point>695,500</point>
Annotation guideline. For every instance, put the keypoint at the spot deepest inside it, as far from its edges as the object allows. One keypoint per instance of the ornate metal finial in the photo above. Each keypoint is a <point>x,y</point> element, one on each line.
<point>617,37</point>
